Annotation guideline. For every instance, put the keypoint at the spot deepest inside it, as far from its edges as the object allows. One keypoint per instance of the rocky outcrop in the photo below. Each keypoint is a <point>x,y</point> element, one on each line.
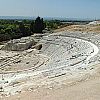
<point>19,44</point>
<point>37,46</point>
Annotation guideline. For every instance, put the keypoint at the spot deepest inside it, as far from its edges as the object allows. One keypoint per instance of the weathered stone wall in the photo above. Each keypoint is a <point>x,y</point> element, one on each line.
<point>19,44</point>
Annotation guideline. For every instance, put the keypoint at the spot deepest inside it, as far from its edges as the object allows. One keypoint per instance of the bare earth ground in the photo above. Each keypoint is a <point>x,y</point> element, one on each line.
<point>87,88</point>
<point>81,28</point>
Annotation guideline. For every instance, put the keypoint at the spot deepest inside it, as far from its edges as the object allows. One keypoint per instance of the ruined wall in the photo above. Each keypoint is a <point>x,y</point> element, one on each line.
<point>19,44</point>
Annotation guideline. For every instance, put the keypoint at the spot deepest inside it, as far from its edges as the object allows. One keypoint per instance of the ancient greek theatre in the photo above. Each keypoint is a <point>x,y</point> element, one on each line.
<point>64,55</point>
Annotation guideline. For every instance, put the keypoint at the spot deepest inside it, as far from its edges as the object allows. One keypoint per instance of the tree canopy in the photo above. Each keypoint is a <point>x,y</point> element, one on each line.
<point>12,29</point>
<point>38,25</point>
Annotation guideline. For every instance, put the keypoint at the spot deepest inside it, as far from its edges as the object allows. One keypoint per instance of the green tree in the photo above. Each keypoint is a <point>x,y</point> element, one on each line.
<point>32,26</point>
<point>38,25</point>
<point>22,28</point>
